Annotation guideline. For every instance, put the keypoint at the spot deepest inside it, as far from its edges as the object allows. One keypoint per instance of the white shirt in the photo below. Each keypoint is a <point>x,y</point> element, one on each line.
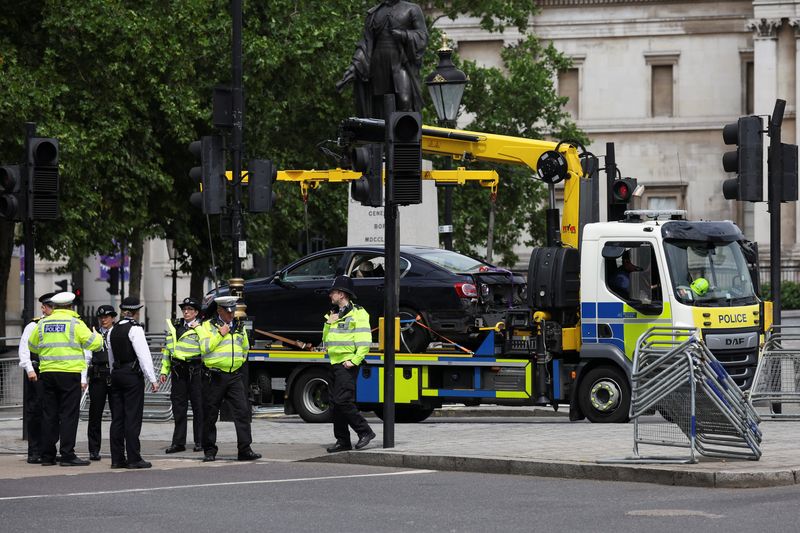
<point>140,347</point>
<point>25,351</point>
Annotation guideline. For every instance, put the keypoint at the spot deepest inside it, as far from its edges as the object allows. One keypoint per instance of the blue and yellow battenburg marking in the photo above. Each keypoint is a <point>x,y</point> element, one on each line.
<point>624,323</point>
<point>413,374</point>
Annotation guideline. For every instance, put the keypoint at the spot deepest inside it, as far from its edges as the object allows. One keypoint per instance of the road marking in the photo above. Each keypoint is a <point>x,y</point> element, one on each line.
<point>226,484</point>
<point>673,512</point>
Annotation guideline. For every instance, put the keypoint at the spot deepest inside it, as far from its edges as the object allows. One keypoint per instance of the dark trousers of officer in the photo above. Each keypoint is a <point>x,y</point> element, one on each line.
<point>99,392</point>
<point>343,402</point>
<point>61,409</point>
<point>218,386</point>
<point>34,393</point>
<point>187,384</point>
<point>127,407</point>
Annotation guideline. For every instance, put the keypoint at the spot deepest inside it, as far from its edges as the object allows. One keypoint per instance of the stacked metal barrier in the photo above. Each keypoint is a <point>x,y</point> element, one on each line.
<point>676,375</point>
<point>776,385</point>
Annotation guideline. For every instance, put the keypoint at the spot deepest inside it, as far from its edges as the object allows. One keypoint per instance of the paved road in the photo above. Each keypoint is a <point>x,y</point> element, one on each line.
<point>183,495</point>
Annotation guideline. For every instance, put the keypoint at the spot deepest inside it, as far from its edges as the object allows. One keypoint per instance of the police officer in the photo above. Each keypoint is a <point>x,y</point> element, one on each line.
<point>347,339</point>
<point>130,360</point>
<point>99,382</point>
<point>60,340</point>
<point>224,346</point>
<point>33,385</point>
<point>182,360</point>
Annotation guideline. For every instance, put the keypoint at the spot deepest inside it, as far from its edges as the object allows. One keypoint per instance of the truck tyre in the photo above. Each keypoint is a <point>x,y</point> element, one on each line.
<point>264,383</point>
<point>404,414</point>
<point>413,337</point>
<point>310,396</point>
<point>604,395</point>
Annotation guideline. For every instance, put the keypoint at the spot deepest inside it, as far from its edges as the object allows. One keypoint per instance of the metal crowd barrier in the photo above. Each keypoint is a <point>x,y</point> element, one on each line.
<point>704,411</point>
<point>12,377</point>
<point>775,393</point>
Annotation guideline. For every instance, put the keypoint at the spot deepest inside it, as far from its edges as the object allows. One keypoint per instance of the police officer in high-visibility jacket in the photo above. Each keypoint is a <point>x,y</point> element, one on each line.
<point>60,340</point>
<point>181,360</point>
<point>224,346</point>
<point>347,338</point>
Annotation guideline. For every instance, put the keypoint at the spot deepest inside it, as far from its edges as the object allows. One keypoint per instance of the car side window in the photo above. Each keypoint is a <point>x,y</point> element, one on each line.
<point>314,269</point>
<point>373,266</point>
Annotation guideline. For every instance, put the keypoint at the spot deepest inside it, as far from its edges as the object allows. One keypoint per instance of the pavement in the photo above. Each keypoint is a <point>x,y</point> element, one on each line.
<point>519,441</point>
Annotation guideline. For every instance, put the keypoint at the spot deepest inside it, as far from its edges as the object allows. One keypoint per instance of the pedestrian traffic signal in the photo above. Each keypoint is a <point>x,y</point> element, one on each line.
<point>620,196</point>
<point>113,281</point>
<point>747,160</point>
<point>13,202</point>
<point>368,160</point>
<point>261,174</point>
<point>404,158</point>
<point>210,174</point>
<point>43,178</point>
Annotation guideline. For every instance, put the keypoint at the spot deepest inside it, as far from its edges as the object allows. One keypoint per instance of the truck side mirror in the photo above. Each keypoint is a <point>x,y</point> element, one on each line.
<point>612,252</point>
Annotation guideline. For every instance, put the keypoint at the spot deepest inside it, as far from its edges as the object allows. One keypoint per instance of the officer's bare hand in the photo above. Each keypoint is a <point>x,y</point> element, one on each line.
<point>32,376</point>
<point>163,378</point>
<point>348,364</point>
<point>333,318</point>
<point>154,387</point>
<point>224,329</point>
<point>84,386</point>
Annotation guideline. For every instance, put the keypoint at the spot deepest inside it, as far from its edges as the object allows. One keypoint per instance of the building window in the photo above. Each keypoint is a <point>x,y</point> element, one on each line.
<point>664,196</point>
<point>661,91</point>
<point>663,80</point>
<point>748,81</point>
<point>569,87</point>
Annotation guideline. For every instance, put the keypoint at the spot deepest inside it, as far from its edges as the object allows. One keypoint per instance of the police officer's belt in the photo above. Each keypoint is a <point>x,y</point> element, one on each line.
<point>130,366</point>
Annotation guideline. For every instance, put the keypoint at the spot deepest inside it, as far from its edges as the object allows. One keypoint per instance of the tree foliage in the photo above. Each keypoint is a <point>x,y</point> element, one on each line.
<point>125,86</point>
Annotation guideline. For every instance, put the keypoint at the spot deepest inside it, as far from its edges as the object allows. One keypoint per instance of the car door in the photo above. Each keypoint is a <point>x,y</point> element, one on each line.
<point>298,297</point>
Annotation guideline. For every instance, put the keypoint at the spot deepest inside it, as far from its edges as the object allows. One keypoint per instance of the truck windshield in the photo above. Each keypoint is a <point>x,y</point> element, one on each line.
<point>709,274</point>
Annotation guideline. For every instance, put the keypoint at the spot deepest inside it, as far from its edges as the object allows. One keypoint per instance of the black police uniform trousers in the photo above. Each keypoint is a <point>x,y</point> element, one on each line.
<point>343,402</point>
<point>127,407</point>
<point>34,393</point>
<point>61,409</point>
<point>228,386</point>
<point>187,384</point>
<point>99,392</point>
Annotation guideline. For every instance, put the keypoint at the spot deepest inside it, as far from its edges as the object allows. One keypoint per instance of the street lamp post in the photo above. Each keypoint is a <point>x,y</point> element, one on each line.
<point>446,86</point>
<point>173,256</point>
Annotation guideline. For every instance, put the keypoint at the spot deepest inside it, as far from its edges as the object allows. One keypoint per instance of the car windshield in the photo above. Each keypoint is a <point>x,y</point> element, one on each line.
<point>452,261</point>
<point>709,274</point>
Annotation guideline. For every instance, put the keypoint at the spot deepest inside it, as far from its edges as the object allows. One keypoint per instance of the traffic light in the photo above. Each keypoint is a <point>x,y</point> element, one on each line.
<point>404,158</point>
<point>368,189</point>
<point>210,174</point>
<point>261,173</point>
<point>43,180</point>
<point>13,202</point>
<point>747,160</point>
<point>113,281</point>
<point>619,197</point>
<point>789,184</point>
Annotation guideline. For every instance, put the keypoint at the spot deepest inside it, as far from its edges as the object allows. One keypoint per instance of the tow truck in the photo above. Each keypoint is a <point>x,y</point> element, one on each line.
<point>573,343</point>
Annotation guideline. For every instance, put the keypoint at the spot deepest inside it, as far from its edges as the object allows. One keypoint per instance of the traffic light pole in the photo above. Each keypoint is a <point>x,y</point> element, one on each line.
<point>775,184</point>
<point>27,228</point>
<point>237,137</point>
<point>391,229</point>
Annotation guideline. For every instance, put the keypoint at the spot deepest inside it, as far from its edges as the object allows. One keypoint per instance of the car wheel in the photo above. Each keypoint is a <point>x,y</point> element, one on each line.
<point>310,396</point>
<point>413,337</point>
<point>407,414</point>
<point>604,395</point>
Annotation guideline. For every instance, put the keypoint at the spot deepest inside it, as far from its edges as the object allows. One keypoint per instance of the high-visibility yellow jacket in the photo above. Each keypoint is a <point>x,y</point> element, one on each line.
<point>349,338</point>
<point>60,339</point>
<point>181,349</point>
<point>226,353</point>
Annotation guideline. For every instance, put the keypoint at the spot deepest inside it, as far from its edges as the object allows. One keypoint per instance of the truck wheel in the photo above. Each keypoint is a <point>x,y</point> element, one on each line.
<point>604,395</point>
<point>264,383</point>
<point>310,396</point>
<point>407,414</point>
<point>413,337</point>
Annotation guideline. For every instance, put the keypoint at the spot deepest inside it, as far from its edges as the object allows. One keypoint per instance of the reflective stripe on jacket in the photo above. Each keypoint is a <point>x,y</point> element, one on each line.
<point>226,353</point>
<point>184,348</point>
<point>349,338</point>
<point>60,340</point>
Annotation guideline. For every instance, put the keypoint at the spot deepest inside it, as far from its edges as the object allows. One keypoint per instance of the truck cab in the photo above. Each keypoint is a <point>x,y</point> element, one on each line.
<point>643,272</point>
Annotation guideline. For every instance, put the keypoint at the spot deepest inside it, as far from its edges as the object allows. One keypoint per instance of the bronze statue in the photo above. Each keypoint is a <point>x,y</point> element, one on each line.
<point>388,58</point>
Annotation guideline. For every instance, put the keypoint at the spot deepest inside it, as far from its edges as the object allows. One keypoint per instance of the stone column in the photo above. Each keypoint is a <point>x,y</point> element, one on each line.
<point>765,64</point>
<point>795,23</point>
